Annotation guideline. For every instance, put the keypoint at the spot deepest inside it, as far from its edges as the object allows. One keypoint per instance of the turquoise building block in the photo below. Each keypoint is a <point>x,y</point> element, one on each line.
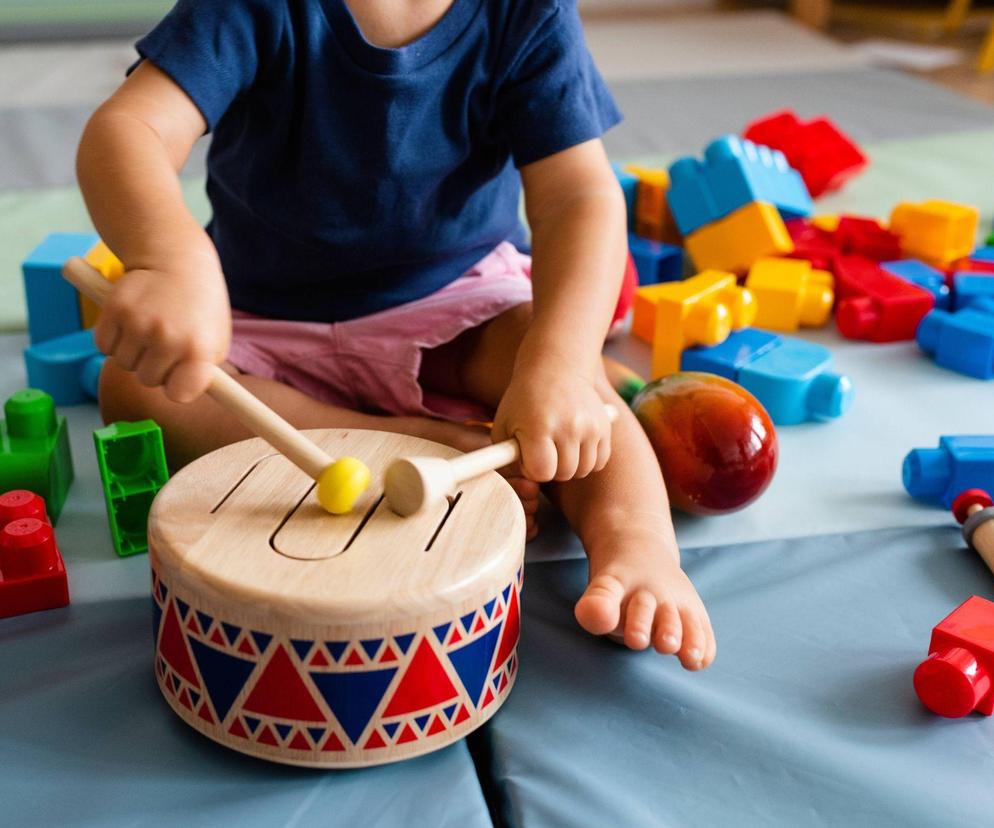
<point>67,367</point>
<point>629,186</point>
<point>34,449</point>
<point>732,355</point>
<point>132,464</point>
<point>961,462</point>
<point>961,341</point>
<point>735,172</point>
<point>53,304</point>
<point>969,289</point>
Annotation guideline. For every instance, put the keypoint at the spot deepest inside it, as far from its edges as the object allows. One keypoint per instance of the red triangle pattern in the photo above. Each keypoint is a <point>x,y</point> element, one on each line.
<point>299,742</point>
<point>503,683</point>
<point>333,743</point>
<point>424,684</point>
<point>406,735</point>
<point>281,693</point>
<point>512,629</point>
<point>374,741</point>
<point>172,647</point>
<point>388,655</point>
<point>205,713</point>
<point>192,624</point>
<point>217,638</point>
<point>488,698</point>
<point>455,635</point>
<point>479,624</point>
<point>462,715</point>
<point>237,729</point>
<point>319,659</point>
<point>498,612</point>
<point>267,737</point>
<point>437,726</point>
<point>246,647</point>
<point>184,699</point>
<point>354,658</point>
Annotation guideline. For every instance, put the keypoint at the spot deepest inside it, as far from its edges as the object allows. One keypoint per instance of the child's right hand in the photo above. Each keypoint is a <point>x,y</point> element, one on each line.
<point>168,327</point>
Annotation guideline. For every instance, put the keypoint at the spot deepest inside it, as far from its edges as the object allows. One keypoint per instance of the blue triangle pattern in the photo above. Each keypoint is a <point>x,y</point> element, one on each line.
<point>421,721</point>
<point>175,679</point>
<point>391,728</point>
<point>336,648</point>
<point>156,621</point>
<point>496,681</point>
<point>354,697</point>
<point>163,591</point>
<point>232,632</point>
<point>195,697</point>
<point>449,711</point>
<point>284,730</point>
<point>467,619</point>
<point>472,662</point>
<point>224,675</point>
<point>506,593</point>
<point>184,608</point>
<point>404,641</point>
<point>441,631</point>
<point>489,606</point>
<point>371,646</point>
<point>302,647</point>
<point>205,621</point>
<point>317,734</point>
<point>261,640</point>
<point>252,722</point>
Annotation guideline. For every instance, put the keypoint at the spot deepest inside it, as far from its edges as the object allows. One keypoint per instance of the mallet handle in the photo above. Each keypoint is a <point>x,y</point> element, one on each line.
<point>255,415</point>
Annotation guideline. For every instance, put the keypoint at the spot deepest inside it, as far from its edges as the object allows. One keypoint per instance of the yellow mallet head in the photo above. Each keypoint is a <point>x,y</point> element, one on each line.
<point>341,484</point>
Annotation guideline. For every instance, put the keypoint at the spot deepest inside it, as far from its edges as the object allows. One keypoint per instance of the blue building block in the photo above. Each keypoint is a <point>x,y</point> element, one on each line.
<point>938,475</point>
<point>791,377</point>
<point>655,261</point>
<point>970,288</point>
<point>921,274</point>
<point>961,341</point>
<point>983,254</point>
<point>68,367</point>
<point>735,172</point>
<point>53,304</point>
<point>728,358</point>
<point>629,186</point>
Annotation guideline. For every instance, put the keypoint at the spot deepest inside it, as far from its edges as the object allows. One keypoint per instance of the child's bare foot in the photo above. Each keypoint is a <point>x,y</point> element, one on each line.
<point>639,593</point>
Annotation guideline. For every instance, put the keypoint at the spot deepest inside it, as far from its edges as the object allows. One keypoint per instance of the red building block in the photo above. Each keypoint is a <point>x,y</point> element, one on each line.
<point>32,573</point>
<point>825,157</point>
<point>867,237</point>
<point>955,679</point>
<point>812,244</point>
<point>875,305</point>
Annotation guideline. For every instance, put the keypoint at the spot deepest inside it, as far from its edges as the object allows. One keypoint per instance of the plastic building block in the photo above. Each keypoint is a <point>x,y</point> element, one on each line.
<point>105,262</point>
<point>623,379</point>
<point>825,156</point>
<point>32,573</point>
<point>983,254</point>
<point>734,173</point>
<point>937,231</point>
<point>876,305</point>
<point>656,261</point>
<point>792,378</point>
<point>701,310</point>
<point>735,242</point>
<point>629,186</point>
<point>626,297</point>
<point>961,341</point>
<point>866,237</point>
<point>132,466</point>
<point>923,275</point>
<point>34,449</point>
<point>653,219</point>
<point>53,305</point>
<point>956,678</point>
<point>68,367</point>
<point>789,293</point>
<point>990,240</point>
<point>971,288</point>
<point>938,475</point>
<point>20,503</point>
<point>812,243</point>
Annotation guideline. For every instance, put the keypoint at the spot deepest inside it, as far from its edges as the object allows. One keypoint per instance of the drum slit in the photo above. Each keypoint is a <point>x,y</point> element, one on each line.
<point>239,482</point>
<point>365,519</point>
<point>452,505</point>
<point>287,516</point>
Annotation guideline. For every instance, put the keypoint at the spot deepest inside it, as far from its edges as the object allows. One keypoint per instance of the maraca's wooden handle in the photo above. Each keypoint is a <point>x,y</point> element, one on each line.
<point>496,456</point>
<point>249,409</point>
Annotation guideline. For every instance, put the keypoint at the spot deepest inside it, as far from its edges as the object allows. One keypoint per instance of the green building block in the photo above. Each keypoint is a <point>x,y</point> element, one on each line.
<point>34,449</point>
<point>990,240</point>
<point>132,466</point>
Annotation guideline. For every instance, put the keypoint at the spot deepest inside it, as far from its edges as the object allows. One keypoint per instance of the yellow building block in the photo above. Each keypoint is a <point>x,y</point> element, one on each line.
<point>829,222</point>
<point>644,310</point>
<point>653,219</point>
<point>701,310</point>
<point>102,259</point>
<point>937,231</point>
<point>735,242</point>
<point>790,293</point>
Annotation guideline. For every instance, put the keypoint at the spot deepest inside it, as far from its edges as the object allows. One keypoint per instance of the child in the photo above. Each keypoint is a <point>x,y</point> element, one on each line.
<point>365,174</point>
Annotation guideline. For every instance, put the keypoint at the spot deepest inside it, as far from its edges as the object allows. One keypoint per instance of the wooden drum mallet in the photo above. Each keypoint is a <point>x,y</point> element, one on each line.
<point>974,509</point>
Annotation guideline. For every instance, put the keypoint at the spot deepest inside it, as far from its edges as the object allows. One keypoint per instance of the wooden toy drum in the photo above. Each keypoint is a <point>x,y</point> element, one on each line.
<point>332,641</point>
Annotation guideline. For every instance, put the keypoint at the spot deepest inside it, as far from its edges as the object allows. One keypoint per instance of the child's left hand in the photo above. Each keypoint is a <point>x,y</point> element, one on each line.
<point>559,419</point>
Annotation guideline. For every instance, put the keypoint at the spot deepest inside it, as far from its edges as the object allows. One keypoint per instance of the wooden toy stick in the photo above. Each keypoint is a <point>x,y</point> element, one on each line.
<point>973,509</point>
<point>339,482</point>
<point>412,483</point>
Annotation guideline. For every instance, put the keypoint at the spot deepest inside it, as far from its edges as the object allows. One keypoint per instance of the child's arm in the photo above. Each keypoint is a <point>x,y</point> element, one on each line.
<point>577,216</point>
<point>168,317</point>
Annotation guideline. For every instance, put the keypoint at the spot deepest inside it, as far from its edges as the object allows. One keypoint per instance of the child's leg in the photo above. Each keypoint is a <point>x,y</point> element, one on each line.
<point>193,429</point>
<point>621,514</point>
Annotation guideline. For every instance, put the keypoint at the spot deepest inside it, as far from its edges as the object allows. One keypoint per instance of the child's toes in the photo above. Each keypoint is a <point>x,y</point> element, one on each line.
<point>668,631</point>
<point>639,614</point>
<point>599,608</point>
<point>695,641</point>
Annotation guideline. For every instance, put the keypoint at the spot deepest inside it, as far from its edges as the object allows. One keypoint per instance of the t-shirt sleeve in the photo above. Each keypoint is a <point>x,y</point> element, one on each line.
<point>553,97</point>
<point>215,49</point>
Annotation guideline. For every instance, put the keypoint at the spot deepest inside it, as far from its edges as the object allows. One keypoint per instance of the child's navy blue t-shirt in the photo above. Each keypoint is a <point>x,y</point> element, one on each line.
<point>346,178</point>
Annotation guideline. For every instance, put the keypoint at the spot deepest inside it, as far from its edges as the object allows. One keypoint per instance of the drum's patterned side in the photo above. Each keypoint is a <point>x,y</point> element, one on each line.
<point>341,703</point>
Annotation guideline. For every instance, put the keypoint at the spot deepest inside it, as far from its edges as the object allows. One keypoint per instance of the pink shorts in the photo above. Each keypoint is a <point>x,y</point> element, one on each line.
<point>372,363</point>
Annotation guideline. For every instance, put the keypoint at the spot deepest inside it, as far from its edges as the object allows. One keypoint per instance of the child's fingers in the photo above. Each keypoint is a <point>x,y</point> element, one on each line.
<point>568,454</point>
<point>603,453</point>
<point>539,458</point>
<point>155,366</point>
<point>106,334</point>
<point>188,380</point>
<point>128,351</point>
<point>588,458</point>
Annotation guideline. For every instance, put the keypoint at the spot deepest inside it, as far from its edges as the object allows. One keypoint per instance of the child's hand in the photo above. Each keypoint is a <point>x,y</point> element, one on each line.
<point>168,327</point>
<point>558,417</point>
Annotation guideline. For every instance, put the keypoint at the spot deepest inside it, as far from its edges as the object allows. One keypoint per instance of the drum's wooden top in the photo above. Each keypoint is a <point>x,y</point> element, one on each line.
<point>244,523</point>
